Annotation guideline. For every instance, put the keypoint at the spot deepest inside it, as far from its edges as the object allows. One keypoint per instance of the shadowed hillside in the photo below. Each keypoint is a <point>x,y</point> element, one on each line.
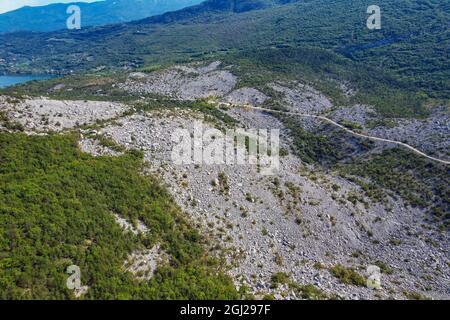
<point>54,16</point>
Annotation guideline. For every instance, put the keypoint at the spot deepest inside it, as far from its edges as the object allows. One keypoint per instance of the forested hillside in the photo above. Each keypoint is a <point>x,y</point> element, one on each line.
<point>56,210</point>
<point>412,44</point>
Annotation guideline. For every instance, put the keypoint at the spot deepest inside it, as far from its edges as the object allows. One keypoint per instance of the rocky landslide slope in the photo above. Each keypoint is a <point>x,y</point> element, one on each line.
<point>303,223</point>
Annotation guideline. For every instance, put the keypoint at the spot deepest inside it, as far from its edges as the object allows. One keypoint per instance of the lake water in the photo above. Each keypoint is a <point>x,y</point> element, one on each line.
<point>7,81</point>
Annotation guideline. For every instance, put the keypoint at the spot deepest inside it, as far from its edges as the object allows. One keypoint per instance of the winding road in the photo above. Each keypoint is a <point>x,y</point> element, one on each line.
<point>416,151</point>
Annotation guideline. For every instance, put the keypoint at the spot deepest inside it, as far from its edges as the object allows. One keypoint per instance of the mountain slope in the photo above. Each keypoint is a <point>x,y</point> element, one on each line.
<point>214,6</point>
<point>54,16</point>
<point>262,223</point>
<point>415,32</point>
<point>72,189</point>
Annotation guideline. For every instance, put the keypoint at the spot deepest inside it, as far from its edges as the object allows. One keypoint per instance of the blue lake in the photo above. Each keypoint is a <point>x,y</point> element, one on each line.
<point>7,81</point>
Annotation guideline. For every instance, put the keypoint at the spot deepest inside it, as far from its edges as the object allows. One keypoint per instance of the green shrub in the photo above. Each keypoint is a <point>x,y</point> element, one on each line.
<point>348,275</point>
<point>279,278</point>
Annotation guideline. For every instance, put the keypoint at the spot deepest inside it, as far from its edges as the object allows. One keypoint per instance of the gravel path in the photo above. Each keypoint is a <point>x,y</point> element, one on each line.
<point>348,130</point>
